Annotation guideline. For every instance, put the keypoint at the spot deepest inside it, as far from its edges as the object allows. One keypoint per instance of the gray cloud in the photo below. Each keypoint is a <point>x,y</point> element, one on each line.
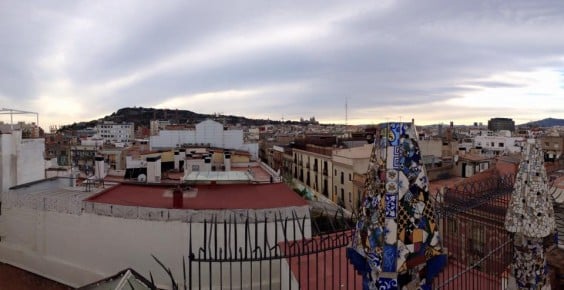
<point>384,54</point>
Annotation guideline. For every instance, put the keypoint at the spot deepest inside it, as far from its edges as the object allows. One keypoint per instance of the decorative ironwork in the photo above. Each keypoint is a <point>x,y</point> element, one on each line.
<point>308,251</point>
<point>272,254</point>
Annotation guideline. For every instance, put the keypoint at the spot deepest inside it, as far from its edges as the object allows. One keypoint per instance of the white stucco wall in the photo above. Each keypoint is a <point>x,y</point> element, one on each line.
<point>21,160</point>
<point>77,249</point>
<point>172,138</point>
<point>210,132</point>
<point>207,132</point>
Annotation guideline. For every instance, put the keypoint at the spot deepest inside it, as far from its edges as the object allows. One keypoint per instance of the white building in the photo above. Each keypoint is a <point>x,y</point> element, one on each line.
<point>115,133</point>
<point>21,160</point>
<point>207,133</point>
<point>496,145</point>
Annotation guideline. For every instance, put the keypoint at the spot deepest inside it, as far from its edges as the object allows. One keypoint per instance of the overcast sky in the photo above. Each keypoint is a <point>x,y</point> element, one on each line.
<point>435,61</point>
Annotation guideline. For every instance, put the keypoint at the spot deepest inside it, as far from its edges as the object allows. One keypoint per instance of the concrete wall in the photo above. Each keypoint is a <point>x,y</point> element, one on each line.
<point>431,147</point>
<point>77,249</point>
<point>210,132</point>
<point>21,160</point>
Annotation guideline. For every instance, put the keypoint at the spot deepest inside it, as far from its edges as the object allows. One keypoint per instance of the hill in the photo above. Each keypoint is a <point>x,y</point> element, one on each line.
<point>548,122</point>
<point>142,116</point>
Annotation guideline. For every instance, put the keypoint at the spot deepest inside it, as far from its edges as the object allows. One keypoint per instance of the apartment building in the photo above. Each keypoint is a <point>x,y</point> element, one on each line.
<point>115,132</point>
<point>552,147</point>
<point>312,167</point>
<point>348,166</point>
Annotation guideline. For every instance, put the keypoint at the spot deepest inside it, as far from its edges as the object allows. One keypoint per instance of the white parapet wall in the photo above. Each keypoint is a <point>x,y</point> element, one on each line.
<point>77,242</point>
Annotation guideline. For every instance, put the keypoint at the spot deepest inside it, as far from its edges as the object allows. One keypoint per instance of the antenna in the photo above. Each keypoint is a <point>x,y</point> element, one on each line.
<point>346,110</point>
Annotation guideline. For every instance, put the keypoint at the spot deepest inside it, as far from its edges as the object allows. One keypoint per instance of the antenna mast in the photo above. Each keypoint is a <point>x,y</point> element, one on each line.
<point>347,111</point>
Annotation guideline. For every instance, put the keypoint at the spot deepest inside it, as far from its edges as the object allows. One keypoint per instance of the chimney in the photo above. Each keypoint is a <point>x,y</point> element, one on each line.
<point>182,158</point>
<point>177,198</point>
<point>73,177</point>
<point>99,169</point>
<point>227,160</point>
<point>207,163</point>
<point>154,169</point>
<point>176,160</point>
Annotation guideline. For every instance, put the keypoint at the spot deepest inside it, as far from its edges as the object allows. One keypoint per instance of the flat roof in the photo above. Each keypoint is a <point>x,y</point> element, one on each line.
<point>218,196</point>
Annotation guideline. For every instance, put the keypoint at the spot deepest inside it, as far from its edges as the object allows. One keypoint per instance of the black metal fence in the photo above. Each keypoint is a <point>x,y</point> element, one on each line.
<point>471,219</point>
<point>308,251</point>
<point>293,252</point>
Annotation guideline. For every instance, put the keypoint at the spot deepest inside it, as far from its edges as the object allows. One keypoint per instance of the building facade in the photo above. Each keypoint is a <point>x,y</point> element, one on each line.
<point>348,163</point>
<point>207,133</point>
<point>312,168</point>
<point>497,124</point>
<point>21,159</point>
<point>116,132</point>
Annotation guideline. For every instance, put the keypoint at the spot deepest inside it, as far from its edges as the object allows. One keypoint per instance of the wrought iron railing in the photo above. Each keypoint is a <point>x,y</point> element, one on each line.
<point>308,251</point>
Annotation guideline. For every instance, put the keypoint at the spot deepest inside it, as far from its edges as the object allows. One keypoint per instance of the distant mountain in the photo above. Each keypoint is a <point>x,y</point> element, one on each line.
<point>142,116</point>
<point>548,122</point>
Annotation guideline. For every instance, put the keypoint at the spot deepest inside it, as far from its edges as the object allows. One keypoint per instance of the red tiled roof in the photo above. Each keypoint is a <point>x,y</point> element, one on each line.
<point>223,196</point>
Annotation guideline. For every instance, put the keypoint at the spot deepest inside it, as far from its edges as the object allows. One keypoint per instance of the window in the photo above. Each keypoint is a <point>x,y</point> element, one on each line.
<point>342,177</point>
<point>350,197</point>
<point>501,145</point>
<point>335,172</point>
<point>350,177</point>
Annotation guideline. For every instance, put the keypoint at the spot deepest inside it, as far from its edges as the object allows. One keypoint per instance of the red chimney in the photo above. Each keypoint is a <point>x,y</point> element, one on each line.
<point>177,198</point>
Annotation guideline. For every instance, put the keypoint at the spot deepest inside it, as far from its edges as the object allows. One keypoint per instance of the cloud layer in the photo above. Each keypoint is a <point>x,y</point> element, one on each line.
<point>434,61</point>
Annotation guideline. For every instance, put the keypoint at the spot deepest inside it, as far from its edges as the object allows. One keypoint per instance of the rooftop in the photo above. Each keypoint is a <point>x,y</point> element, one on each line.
<point>220,176</point>
<point>225,196</point>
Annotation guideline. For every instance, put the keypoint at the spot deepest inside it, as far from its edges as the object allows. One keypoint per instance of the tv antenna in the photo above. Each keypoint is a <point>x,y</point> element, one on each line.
<point>346,111</point>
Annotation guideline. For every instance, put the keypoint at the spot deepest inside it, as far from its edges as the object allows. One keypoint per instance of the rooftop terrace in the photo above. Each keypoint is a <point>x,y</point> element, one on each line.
<point>225,196</point>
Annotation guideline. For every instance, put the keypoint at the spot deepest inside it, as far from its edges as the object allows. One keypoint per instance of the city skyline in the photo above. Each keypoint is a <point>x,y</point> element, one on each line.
<point>436,62</point>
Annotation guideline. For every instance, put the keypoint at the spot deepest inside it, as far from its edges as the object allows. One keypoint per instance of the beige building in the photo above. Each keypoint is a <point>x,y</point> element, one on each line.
<point>552,146</point>
<point>349,166</point>
<point>311,169</point>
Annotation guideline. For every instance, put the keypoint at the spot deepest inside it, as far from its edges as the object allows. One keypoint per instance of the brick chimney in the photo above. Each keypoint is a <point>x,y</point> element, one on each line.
<point>177,198</point>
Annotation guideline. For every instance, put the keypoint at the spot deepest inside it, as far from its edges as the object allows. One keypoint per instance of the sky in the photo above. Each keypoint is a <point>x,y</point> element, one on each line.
<point>359,62</point>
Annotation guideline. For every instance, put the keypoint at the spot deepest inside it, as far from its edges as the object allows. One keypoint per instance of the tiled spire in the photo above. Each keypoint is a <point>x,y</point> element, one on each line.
<point>397,238</point>
<point>530,215</point>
